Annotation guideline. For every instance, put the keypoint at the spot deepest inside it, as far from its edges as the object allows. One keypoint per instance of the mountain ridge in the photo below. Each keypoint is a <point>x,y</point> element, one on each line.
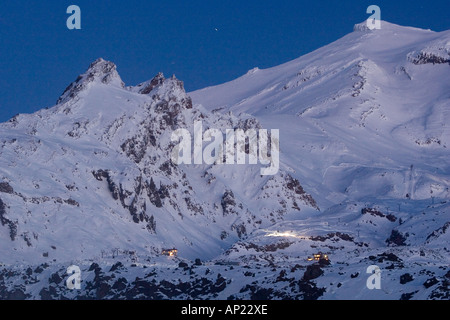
<point>116,140</point>
<point>363,178</point>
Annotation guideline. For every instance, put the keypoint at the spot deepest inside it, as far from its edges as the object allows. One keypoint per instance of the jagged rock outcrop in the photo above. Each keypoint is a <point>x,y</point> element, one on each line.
<point>99,71</point>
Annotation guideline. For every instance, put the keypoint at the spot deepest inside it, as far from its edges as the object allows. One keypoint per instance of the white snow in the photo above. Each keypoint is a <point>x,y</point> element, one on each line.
<point>363,124</point>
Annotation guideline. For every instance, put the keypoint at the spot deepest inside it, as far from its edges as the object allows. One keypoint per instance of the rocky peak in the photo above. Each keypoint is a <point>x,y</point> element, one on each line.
<point>162,89</point>
<point>102,70</point>
<point>171,91</point>
<point>148,86</point>
<point>99,71</point>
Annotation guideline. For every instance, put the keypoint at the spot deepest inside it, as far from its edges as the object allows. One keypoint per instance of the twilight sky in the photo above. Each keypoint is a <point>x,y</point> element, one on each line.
<point>202,42</point>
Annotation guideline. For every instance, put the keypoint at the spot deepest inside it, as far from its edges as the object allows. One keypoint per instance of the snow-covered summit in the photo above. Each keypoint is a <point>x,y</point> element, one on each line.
<point>99,71</point>
<point>384,26</point>
<point>147,86</point>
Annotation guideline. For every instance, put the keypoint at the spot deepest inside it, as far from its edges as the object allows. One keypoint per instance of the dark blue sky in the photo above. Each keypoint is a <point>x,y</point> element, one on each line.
<point>39,56</point>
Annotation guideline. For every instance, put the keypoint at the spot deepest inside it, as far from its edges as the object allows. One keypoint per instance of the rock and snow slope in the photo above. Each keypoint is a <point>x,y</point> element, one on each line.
<point>364,136</point>
<point>95,173</point>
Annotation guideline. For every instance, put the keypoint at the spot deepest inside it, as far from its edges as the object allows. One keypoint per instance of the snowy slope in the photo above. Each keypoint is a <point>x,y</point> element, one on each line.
<point>364,178</point>
<point>369,105</point>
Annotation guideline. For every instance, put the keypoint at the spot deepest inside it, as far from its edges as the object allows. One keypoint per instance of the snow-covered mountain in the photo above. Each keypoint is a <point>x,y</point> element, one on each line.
<point>95,173</point>
<point>364,177</point>
<point>370,103</point>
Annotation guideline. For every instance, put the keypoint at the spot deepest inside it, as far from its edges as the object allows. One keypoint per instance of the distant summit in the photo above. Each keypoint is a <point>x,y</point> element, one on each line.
<point>101,71</point>
<point>384,25</point>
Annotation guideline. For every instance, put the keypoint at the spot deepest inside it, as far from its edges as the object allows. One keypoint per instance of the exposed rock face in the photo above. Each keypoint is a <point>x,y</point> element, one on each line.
<point>5,187</point>
<point>438,52</point>
<point>377,213</point>
<point>228,203</point>
<point>7,222</point>
<point>425,57</point>
<point>397,239</point>
<point>147,87</point>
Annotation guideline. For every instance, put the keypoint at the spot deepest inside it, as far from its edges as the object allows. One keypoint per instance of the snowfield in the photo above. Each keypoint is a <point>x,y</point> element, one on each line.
<point>364,178</point>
